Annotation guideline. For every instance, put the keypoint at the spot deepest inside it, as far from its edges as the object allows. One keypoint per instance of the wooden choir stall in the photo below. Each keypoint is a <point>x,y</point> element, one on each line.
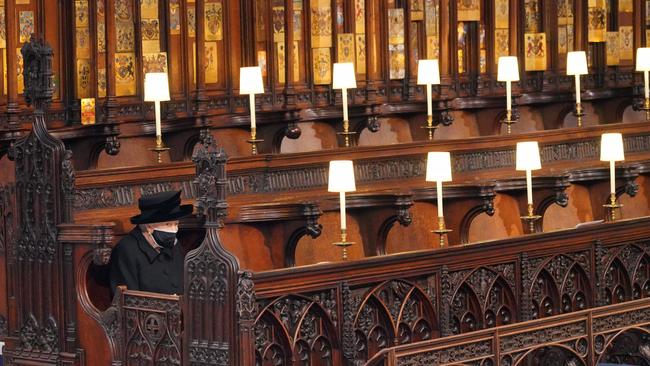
<point>317,141</point>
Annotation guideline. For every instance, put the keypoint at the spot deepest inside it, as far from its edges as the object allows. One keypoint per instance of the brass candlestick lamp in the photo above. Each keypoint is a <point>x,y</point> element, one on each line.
<point>439,170</point>
<point>344,78</point>
<point>429,74</point>
<point>156,89</point>
<point>528,160</point>
<point>251,83</point>
<point>508,71</point>
<point>576,64</point>
<point>611,149</point>
<point>341,180</point>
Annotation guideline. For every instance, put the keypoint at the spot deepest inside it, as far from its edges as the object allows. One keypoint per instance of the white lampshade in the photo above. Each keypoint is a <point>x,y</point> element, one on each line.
<point>576,63</point>
<point>341,176</point>
<point>528,156</point>
<point>156,87</point>
<point>643,59</point>
<point>438,166</point>
<point>428,72</point>
<point>508,69</point>
<point>611,147</point>
<point>250,80</point>
<point>344,77</point>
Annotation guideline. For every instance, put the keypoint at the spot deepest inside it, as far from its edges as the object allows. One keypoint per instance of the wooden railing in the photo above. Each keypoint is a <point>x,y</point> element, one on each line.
<point>348,312</point>
<point>617,334</point>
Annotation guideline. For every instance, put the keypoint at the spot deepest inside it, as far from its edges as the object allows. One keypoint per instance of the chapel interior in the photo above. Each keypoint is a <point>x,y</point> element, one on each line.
<point>374,182</point>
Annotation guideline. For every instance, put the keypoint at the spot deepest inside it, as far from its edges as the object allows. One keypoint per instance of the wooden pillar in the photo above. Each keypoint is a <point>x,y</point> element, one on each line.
<point>201,99</point>
<point>13,107</point>
<point>374,52</point>
<point>291,77</point>
<point>111,41</point>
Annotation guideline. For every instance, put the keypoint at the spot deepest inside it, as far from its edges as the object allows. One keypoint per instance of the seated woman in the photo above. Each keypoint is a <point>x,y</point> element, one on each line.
<point>149,258</point>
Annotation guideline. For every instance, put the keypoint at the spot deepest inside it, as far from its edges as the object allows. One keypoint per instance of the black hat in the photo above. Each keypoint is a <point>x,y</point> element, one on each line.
<point>161,207</point>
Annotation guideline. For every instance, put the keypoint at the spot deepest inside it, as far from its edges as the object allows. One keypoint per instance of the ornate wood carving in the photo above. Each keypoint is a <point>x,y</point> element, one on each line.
<point>211,273</point>
<point>44,184</point>
<point>483,298</point>
<point>626,273</point>
<point>391,168</point>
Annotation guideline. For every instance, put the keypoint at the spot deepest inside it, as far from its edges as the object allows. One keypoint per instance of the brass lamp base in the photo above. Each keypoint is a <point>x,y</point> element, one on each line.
<point>612,206</point>
<point>254,141</point>
<point>344,243</point>
<point>441,231</point>
<point>159,149</point>
<point>579,113</point>
<point>346,133</point>
<point>430,127</point>
<point>509,120</point>
<point>530,218</point>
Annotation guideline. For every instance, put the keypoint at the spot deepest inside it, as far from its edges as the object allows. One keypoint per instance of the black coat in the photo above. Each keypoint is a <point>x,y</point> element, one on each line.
<point>136,264</point>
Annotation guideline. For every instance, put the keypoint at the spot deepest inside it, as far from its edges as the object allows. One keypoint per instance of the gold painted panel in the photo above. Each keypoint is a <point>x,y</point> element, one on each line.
<point>360,53</point>
<point>345,47</point>
<point>612,47</point>
<point>397,64</point>
<point>125,74</point>
<point>322,64</point>
<point>535,51</point>
<point>395,26</point>
<point>469,10</point>
<point>626,39</point>
<point>149,9</point>
<point>210,63</point>
<point>213,22</point>
<point>83,78</point>
<point>321,24</point>
<point>154,62</point>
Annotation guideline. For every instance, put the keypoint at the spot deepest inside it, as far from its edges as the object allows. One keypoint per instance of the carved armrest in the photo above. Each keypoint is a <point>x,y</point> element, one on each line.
<point>96,237</point>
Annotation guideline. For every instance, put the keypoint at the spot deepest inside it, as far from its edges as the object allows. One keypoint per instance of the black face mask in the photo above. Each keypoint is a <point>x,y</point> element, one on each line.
<point>164,239</point>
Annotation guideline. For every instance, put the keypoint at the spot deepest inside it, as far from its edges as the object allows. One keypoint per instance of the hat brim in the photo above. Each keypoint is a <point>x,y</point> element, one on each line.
<point>175,214</point>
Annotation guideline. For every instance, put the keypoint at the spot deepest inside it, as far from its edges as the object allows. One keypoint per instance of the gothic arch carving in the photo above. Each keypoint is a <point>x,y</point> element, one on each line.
<point>483,298</point>
<point>628,346</point>
<point>561,285</point>
<point>393,312</point>
<point>299,324</point>
<point>555,355</point>
<point>626,273</point>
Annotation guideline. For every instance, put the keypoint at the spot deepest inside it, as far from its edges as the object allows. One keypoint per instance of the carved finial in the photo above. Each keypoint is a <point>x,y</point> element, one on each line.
<point>37,73</point>
<point>211,183</point>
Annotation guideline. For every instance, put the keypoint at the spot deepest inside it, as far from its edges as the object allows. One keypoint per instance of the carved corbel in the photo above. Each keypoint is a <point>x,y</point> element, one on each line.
<point>487,194</point>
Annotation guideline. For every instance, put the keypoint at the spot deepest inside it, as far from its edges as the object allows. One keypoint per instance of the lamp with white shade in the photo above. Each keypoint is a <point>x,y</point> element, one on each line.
<point>156,89</point>
<point>251,83</point>
<point>439,170</point>
<point>576,64</point>
<point>612,150</point>
<point>527,160</point>
<point>344,78</point>
<point>429,74</point>
<point>341,180</point>
<point>508,71</point>
<point>643,64</point>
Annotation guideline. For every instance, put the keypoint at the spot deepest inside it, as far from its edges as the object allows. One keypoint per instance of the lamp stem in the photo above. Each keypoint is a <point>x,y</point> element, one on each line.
<point>252,108</point>
<point>342,208</point>
<point>344,95</point>
<point>508,95</point>
<point>529,186</point>
<point>646,86</point>
<point>429,103</point>
<point>439,197</point>
<point>577,89</point>
<point>158,124</point>
<point>612,177</point>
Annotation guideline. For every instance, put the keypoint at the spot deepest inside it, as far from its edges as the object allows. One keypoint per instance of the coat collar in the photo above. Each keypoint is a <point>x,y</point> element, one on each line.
<point>144,245</point>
